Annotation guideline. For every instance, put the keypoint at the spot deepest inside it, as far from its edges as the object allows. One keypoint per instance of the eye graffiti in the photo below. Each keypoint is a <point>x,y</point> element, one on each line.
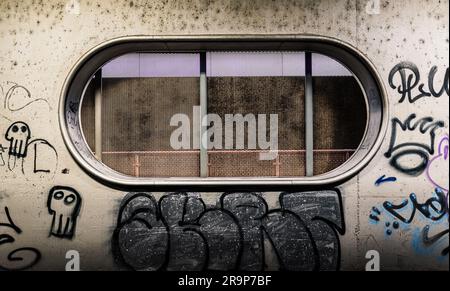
<point>64,205</point>
<point>180,232</point>
<point>422,147</point>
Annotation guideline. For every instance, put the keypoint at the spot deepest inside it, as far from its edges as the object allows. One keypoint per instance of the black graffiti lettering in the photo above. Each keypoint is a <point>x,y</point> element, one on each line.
<point>30,256</point>
<point>223,236</point>
<point>6,238</point>
<point>428,241</point>
<point>322,212</point>
<point>141,234</point>
<point>38,166</point>
<point>2,151</point>
<point>413,171</point>
<point>2,160</point>
<point>445,85</point>
<point>427,127</point>
<point>410,79</point>
<point>181,233</point>
<point>10,223</point>
<point>21,93</point>
<point>249,210</point>
<point>407,82</point>
<point>434,208</point>
<point>187,245</point>
<point>295,247</point>
<point>20,258</point>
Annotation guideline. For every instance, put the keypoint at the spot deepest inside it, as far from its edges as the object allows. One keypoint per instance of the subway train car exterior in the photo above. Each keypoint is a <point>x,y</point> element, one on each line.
<point>224,135</point>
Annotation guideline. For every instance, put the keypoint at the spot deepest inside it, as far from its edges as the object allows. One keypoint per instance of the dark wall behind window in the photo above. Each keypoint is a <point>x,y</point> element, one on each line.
<point>260,95</point>
<point>339,119</point>
<point>136,115</point>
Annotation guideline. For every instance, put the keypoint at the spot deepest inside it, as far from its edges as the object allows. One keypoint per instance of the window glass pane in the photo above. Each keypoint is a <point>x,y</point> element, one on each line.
<point>140,93</point>
<point>339,113</point>
<point>255,64</point>
<point>258,84</point>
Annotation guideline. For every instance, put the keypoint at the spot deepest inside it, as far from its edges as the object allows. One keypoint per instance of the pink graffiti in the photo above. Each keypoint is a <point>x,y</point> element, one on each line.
<point>440,161</point>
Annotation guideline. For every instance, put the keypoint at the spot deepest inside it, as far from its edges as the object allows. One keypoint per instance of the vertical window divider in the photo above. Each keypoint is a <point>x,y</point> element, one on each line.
<point>203,114</point>
<point>98,114</point>
<point>309,117</point>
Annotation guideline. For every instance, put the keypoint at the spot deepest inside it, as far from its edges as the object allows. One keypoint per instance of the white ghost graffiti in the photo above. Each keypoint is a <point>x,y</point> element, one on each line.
<point>64,204</point>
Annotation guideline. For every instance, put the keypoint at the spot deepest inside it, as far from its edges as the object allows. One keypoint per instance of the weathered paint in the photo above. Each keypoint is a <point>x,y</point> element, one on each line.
<point>42,40</point>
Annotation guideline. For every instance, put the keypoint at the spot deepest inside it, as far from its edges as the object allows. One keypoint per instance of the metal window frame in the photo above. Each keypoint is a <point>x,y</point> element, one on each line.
<point>309,116</point>
<point>82,72</point>
<point>98,114</point>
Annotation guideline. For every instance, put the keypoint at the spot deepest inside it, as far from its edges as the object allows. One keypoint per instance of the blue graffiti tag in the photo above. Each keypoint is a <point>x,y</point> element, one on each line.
<point>434,210</point>
<point>383,179</point>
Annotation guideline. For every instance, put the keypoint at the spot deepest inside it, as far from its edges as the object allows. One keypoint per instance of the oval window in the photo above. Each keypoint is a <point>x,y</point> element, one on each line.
<point>205,112</point>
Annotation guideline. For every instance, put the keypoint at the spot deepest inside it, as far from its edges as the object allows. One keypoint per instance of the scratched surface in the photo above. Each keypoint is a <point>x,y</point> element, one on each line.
<point>397,205</point>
